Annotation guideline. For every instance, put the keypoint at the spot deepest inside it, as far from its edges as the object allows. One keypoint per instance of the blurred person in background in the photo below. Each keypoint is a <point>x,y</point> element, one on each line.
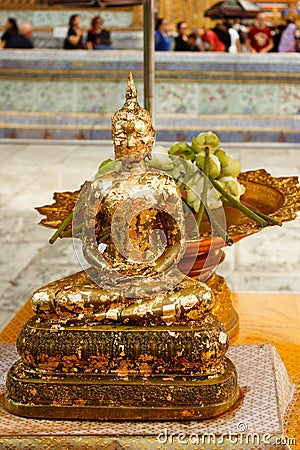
<point>181,40</point>
<point>287,42</point>
<point>192,42</point>
<point>74,39</point>
<point>23,39</point>
<point>276,31</point>
<point>97,37</point>
<point>105,42</point>
<point>11,29</point>
<point>199,43</point>
<point>241,29</point>
<point>162,39</point>
<point>221,30</point>
<point>259,39</point>
<point>210,41</point>
<point>235,43</point>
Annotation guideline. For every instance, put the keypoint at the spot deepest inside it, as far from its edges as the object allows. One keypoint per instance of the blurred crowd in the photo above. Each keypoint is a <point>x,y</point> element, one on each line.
<point>229,36</point>
<point>226,36</point>
<point>96,38</point>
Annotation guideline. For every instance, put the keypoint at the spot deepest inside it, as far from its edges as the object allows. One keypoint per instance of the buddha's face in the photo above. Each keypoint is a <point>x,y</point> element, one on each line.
<point>132,135</point>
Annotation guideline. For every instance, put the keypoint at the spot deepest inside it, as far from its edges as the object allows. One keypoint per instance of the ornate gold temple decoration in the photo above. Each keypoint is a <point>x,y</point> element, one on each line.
<point>292,12</point>
<point>279,197</point>
<point>131,337</point>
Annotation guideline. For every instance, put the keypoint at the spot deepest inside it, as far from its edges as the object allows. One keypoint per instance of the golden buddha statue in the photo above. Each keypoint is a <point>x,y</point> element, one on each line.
<point>134,202</point>
<point>132,331</point>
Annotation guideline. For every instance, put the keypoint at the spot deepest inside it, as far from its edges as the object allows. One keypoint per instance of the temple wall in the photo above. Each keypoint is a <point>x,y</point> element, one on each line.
<point>41,19</point>
<point>51,24</point>
<point>45,16</point>
<point>72,95</point>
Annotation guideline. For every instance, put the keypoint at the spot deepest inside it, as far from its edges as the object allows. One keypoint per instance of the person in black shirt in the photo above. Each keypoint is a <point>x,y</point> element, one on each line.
<point>11,29</point>
<point>192,42</point>
<point>23,39</point>
<point>74,39</point>
<point>181,41</point>
<point>221,30</point>
<point>97,37</point>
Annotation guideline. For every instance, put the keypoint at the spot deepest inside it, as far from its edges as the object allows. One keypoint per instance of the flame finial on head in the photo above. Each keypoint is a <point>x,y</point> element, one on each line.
<point>131,92</point>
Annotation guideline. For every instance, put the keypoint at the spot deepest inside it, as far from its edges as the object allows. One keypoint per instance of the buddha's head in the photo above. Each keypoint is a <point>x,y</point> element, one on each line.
<point>132,128</point>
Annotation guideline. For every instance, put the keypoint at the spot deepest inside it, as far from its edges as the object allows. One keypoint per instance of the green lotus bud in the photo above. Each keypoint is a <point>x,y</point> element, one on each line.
<point>232,186</point>
<point>108,166</point>
<point>200,160</point>
<point>214,165</point>
<point>198,143</point>
<point>205,140</point>
<point>213,199</point>
<point>183,150</point>
<point>232,169</point>
<point>160,159</point>
<point>193,200</point>
<point>104,163</point>
<point>221,155</point>
<point>212,139</point>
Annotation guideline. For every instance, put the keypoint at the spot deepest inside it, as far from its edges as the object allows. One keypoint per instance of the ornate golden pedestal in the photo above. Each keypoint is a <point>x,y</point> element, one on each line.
<point>124,373</point>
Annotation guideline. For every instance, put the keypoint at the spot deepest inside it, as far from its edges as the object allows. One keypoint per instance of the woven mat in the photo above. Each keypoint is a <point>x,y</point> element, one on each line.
<point>262,375</point>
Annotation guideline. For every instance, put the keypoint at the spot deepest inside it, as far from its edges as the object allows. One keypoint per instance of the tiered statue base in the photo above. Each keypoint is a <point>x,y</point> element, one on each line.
<point>82,396</point>
<point>122,372</point>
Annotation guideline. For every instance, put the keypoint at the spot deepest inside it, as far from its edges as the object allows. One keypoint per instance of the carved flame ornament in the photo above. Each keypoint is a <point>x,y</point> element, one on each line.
<point>130,338</point>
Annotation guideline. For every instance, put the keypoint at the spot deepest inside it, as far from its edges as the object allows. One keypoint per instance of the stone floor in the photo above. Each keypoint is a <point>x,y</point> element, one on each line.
<point>30,172</point>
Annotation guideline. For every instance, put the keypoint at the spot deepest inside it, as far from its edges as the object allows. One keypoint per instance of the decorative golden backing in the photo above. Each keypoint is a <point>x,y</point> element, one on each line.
<point>278,197</point>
